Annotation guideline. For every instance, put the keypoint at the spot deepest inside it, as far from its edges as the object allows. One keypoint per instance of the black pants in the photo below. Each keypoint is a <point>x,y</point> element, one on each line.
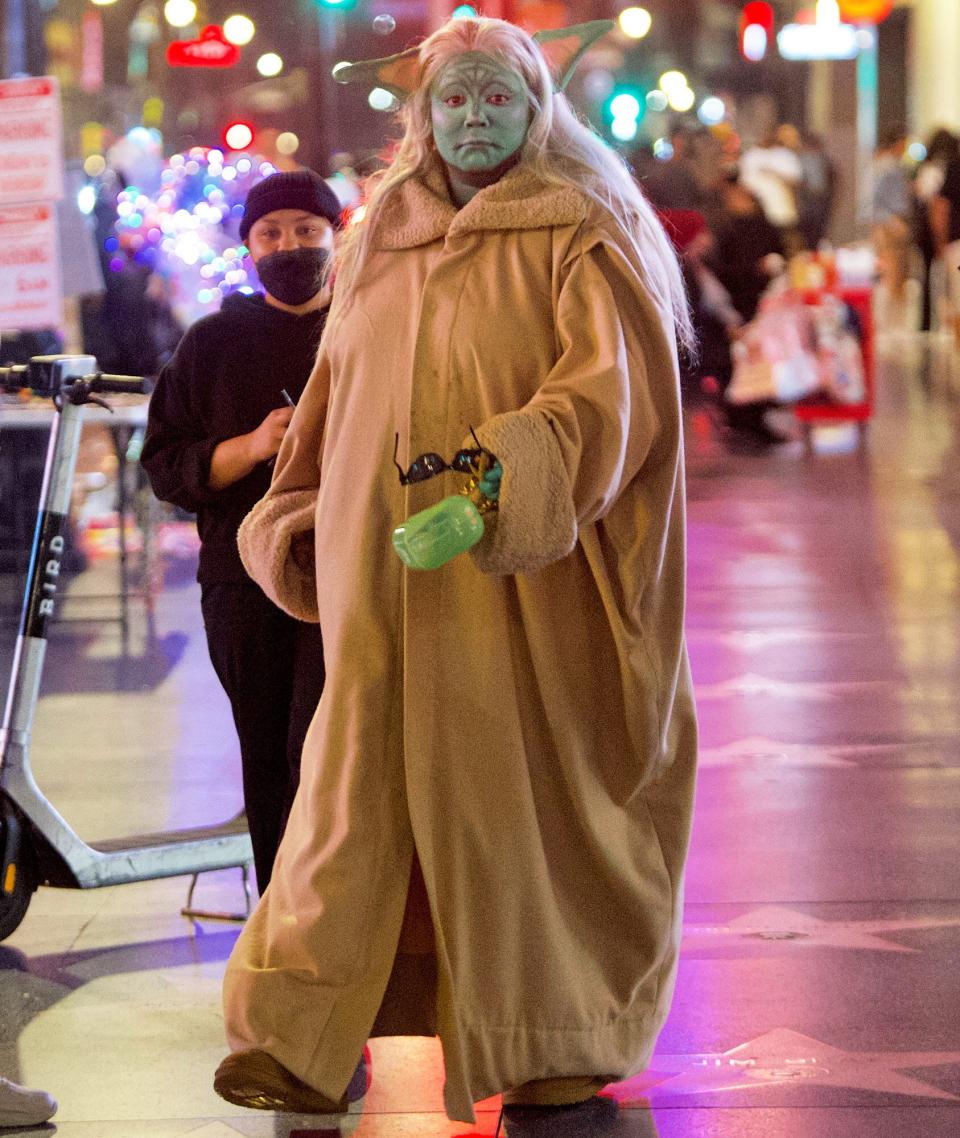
<point>271,667</point>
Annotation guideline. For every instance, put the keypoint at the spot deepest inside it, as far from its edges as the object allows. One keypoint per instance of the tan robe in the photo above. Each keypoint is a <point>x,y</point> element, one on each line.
<point>520,722</point>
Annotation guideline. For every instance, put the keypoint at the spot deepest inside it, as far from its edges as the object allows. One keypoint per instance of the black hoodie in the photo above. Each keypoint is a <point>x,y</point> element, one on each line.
<point>224,379</point>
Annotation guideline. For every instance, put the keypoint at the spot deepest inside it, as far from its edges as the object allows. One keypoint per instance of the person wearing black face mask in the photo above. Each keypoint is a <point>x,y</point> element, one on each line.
<point>217,418</point>
<point>293,277</point>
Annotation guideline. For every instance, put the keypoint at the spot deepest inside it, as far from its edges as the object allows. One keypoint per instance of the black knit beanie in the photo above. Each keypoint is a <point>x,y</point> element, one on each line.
<point>290,189</point>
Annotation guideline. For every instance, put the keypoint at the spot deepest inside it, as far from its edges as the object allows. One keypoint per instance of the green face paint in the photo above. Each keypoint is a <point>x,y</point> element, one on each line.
<point>480,112</point>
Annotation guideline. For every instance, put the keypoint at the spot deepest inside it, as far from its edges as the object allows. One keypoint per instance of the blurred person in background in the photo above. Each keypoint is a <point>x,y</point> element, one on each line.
<point>687,179</point>
<point>928,180</point>
<point>130,327</point>
<point>715,321</point>
<point>773,173</point>
<point>218,415</point>
<point>945,226</point>
<point>892,194</point>
<point>817,190</point>
<point>896,297</point>
<point>748,250</point>
<point>706,374</point>
<point>746,255</point>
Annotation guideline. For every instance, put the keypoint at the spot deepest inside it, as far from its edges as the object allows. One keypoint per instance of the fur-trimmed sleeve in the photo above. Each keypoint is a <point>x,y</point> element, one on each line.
<point>277,550</point>
<point>276,539</point>
<point>570,452</point>
<point>535,523</point>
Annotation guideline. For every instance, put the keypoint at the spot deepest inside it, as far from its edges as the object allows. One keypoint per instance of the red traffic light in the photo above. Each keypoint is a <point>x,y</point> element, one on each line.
<point>756,30</point>
<point>758,12</point>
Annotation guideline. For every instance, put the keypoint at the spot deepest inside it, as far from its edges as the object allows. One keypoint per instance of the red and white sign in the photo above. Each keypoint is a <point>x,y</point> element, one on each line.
<point>210,49</point>
<point>31,146</point>
<point>30,293</point>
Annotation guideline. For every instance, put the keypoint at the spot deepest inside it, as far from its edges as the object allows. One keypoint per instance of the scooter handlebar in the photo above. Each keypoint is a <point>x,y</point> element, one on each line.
<point>50,375</point>
<point>120,384</point>
<point>12,378</point>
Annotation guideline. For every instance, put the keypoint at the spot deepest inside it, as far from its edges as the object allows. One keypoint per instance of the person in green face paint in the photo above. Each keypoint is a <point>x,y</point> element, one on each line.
<point>489,837</point>
<point>480,112</point>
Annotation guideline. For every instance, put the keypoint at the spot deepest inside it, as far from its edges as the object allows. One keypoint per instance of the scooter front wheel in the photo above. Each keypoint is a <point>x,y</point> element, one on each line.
<point>19,873</point>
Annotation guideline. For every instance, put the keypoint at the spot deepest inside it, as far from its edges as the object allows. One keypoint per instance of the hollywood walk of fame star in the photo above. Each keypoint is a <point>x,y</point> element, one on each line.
<point>776,923</point>
<point>776,752</point>
<point>751,684</point>
<point>782,1058</point>
<point>756,640</point>
<point>771,751</point>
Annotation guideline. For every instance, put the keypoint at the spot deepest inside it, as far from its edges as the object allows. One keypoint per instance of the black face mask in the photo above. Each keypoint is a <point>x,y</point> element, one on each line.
<point>293,276</point>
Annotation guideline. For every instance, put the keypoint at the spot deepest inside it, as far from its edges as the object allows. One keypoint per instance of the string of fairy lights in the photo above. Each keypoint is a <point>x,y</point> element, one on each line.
<point>186,229</point>
<point>183,223</point>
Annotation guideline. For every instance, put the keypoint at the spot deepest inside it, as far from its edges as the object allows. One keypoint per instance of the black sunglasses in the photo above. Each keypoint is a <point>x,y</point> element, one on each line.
<point>465,461</point>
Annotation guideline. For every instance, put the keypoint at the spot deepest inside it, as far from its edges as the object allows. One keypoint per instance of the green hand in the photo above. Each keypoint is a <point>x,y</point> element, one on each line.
<point>490,482</point>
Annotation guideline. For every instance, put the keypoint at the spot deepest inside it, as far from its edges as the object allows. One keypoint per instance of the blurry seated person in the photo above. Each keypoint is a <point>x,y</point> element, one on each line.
<point>709,370</point>
<point>746,254</point>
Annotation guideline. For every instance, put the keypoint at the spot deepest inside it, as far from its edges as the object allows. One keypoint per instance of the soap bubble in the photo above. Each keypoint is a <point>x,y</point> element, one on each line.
<point>384,24</point>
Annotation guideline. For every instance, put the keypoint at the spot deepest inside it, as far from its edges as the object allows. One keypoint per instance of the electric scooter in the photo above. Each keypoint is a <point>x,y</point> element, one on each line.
<point>37,846</point>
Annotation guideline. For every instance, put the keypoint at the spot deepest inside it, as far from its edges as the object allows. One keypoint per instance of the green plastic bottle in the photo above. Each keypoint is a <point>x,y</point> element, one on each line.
<point>436,535</point>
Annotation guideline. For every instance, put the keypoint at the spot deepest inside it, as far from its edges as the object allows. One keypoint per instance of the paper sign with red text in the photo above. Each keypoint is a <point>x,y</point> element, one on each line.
<point>30,293</point>
<point>31,146</point>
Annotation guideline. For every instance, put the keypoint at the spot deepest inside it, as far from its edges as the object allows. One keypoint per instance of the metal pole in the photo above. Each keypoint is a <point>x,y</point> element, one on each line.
<point>15,39</point>
<point>867,98</point>
<point>329,132</point>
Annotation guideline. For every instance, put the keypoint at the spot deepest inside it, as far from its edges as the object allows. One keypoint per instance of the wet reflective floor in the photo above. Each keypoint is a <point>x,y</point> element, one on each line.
<point>817,994</point>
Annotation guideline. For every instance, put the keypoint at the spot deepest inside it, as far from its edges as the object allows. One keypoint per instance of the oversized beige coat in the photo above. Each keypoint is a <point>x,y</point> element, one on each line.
<point>519,722</point>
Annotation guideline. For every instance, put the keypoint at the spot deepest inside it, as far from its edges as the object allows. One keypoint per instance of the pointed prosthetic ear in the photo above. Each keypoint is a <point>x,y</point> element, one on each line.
<point>398,74</point>
<point>563,47</point>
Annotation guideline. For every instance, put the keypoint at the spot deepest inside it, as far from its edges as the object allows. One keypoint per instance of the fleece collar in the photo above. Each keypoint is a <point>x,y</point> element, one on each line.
<point>419,210</point>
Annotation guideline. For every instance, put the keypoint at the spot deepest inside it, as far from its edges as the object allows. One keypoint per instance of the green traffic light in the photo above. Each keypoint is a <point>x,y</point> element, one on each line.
<point>625,105</point>
<point>626,102</point>
<point>624,111</point>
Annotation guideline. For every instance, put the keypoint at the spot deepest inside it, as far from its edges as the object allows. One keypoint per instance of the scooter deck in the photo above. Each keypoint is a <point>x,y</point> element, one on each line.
<point>233,827</point>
